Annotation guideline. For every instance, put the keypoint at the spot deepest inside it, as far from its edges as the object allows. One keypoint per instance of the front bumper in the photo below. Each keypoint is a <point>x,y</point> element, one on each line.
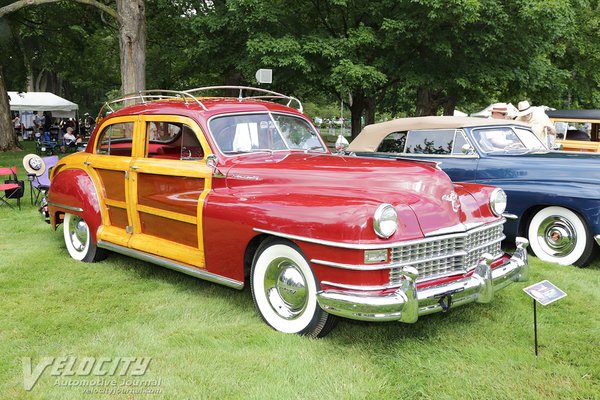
<point>407,303</point>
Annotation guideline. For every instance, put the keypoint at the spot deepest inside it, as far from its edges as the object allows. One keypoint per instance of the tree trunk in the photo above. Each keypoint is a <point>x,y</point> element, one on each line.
<point>356,110</point>
<point>426,102</point>
<point>8,136</point>
<point>370,111</point>
<point>132,43</point>
<point>450,105</point>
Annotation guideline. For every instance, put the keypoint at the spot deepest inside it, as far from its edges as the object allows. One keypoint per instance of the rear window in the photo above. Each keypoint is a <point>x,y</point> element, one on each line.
<point>116,140</point>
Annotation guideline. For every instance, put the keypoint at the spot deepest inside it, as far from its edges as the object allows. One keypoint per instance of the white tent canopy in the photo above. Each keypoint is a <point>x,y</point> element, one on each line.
<point>42,101</point>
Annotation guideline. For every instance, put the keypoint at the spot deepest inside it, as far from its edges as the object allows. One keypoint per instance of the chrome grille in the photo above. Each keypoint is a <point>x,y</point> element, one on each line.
<point>447,254</point>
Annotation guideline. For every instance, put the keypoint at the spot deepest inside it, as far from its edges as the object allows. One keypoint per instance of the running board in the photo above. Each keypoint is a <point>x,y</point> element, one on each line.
<point>175,266</point>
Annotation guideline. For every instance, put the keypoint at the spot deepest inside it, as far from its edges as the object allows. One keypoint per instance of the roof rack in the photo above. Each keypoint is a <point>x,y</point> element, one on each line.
<point>266,94</point>
<point>188,97</point>
<point>149,95</point>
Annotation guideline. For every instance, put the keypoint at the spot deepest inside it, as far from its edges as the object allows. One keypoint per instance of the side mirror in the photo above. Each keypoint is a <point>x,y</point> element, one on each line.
<point>467,149</point>
<point>213,163</point>
<point>341,144</point>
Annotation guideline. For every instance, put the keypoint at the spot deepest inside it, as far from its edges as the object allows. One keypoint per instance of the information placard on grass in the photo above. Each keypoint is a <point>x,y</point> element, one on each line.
<point>544,292</point>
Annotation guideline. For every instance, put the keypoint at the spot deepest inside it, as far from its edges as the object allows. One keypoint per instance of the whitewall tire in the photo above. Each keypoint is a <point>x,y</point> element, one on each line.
<point>78,240</point>
<point>284,290</point>
<point>557,234</point>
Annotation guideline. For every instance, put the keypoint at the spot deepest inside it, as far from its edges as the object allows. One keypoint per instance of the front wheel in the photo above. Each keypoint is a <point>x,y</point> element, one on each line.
<point>558,235</point>
<point>284,290</point>
<point>79,241</point>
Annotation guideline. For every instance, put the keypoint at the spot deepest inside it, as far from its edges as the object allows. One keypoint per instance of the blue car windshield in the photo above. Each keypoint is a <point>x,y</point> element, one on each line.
<point>506,139</point>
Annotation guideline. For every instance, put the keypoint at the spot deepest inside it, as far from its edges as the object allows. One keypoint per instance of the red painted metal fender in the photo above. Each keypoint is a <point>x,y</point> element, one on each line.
<point>73,191</point>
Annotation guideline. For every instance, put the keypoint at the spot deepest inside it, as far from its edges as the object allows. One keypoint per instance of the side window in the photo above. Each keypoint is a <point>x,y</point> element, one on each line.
<point>459,142</point>
<point>115,140</point>
<point>173,141</point>
<point>393,143</point>
<point>430,142</point>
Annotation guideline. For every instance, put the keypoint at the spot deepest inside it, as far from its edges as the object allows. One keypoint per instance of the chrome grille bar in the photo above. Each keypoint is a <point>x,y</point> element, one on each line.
<point>447,254</point>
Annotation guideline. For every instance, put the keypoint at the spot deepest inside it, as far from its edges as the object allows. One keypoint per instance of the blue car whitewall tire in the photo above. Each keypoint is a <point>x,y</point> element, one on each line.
<point>558,235</point>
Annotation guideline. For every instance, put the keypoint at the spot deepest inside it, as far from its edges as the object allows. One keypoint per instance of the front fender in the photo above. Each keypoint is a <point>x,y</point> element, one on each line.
<point>230,222</point>
<point>73,191</point>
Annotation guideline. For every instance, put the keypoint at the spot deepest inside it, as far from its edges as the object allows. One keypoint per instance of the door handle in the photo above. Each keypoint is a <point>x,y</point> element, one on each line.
<point>135,167</point>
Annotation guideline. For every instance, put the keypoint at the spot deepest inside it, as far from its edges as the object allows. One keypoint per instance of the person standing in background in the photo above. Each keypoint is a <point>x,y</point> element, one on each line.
<point>499,111</point>
<point>539,122</point>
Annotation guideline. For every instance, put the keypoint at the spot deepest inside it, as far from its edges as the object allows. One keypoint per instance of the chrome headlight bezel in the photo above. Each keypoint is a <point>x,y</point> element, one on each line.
<point>498,201</point>
<point>385,221</point>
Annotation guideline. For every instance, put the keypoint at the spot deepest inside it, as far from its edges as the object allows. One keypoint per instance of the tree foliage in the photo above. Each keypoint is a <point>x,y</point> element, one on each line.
<point>402,57</point>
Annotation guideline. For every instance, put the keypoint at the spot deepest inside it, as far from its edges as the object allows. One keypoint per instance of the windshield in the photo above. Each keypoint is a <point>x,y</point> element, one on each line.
<point>507,139</point>
<point>247,133</point>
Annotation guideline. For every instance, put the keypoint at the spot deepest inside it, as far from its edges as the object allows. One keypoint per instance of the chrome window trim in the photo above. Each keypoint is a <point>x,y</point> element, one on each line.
<point>474,156</point>
<point>451,155</point>
<point>484,127</point>
<point>376,246</point>
<point>288,150</point>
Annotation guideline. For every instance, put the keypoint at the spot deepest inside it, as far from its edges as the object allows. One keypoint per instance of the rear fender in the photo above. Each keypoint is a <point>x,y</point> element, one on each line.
<point>73,191</point>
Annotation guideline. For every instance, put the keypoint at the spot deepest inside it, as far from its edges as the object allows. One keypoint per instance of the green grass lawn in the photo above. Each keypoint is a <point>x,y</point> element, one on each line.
<point>207,341</point>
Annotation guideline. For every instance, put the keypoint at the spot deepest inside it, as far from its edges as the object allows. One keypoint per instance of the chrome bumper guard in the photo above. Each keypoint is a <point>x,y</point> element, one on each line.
<point>408,303</point>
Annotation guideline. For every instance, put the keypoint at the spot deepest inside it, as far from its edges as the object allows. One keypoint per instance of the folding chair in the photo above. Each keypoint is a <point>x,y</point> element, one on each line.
<point>38,170</point>
<point>12,188</point>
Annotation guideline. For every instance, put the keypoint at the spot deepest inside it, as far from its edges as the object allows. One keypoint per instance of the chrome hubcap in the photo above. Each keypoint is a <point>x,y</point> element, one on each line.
<point>78,232</point>
<point>558,234</point>
<point>285,288</point>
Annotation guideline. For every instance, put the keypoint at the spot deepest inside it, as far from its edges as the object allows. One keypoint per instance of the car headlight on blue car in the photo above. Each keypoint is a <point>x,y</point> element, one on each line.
<point>385,221</point>
<point>498,201</point>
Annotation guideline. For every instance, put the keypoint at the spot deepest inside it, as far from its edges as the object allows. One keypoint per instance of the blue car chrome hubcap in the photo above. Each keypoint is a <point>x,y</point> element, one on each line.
<point>559,235</point>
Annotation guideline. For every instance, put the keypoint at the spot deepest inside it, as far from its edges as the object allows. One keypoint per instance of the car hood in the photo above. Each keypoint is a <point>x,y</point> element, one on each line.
<point>418,187</point>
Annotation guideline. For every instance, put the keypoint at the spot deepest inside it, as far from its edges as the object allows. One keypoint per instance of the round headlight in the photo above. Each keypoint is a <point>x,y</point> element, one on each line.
<point>385,221</point>
<point>498,201</point>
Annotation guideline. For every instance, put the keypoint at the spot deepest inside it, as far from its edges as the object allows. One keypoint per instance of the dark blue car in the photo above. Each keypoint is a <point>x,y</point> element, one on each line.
<point>555,195</point>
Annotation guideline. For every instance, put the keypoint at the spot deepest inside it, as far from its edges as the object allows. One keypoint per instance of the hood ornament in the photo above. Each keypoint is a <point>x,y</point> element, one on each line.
<point>452,198</point>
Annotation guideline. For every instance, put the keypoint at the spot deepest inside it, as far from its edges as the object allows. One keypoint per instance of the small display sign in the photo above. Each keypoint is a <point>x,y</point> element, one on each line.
<point>544,292</point>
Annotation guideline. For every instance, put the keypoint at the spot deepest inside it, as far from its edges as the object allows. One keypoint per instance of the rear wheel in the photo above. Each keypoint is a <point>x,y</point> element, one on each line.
<point>284,290</point>
<point>79,241</point>
<point>557,234</point>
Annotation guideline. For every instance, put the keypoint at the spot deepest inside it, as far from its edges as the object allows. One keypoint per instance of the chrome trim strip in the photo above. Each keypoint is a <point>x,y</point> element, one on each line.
<point>76,209</point>
<point>510,216</point>
<point>368,267</point>
<point>376,246</point>
<point>360,287</point>
<point>164,262</point>
<point>353,267</point>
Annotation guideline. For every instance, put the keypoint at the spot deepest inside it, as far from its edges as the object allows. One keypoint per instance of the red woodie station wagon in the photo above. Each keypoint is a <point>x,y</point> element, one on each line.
<point>242,190</point>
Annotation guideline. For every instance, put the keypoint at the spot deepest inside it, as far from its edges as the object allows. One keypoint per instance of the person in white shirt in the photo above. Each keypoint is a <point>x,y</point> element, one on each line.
<point>68,138</point>
<point>539,121</point>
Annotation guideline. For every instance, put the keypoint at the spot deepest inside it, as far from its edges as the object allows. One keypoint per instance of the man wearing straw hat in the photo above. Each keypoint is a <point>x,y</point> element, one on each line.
<point>539,121</point>
<point>499,111</point>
